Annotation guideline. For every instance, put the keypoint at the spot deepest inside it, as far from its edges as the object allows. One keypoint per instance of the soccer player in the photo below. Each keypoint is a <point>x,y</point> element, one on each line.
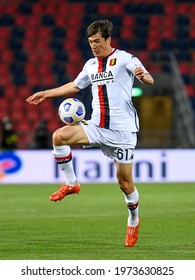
<point>114,122</point>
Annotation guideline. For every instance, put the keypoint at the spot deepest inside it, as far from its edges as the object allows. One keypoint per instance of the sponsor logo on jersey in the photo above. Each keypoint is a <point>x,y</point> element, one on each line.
<point>112,62</point>
<point>102,78</point>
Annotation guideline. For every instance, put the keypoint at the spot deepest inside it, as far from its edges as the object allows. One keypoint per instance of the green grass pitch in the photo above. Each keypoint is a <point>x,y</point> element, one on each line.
<point>92,225</point>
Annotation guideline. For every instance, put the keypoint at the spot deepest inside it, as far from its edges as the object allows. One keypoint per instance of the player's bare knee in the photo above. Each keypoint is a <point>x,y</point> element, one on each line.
<point>57,138</point>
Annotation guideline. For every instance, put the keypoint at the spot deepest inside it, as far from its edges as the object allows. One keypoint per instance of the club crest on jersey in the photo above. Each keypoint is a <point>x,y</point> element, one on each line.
<point>102,78</point>
<point>112,62</point>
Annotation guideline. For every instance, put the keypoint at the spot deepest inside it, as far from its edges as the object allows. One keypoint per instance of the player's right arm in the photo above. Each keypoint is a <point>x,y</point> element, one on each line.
<point>67,89</point>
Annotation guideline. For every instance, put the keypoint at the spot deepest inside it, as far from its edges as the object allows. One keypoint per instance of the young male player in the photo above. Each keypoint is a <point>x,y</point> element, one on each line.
<point>114,122</point>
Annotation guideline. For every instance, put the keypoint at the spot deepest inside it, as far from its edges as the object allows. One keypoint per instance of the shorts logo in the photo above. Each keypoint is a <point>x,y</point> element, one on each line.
<point>112,62</point>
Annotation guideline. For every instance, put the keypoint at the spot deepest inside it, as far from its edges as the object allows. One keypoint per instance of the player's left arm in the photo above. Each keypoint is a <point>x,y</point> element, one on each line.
<point>143,76</point>
<point>137,68</point>
<point>69,88</point>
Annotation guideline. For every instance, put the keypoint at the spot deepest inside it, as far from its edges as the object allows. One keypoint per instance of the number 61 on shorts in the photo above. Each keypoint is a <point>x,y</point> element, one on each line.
<point>125,155</point>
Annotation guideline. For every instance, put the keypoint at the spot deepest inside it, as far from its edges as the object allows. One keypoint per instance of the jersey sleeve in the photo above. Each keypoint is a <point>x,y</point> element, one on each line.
<point>82,80</point>
<point>132,62</point>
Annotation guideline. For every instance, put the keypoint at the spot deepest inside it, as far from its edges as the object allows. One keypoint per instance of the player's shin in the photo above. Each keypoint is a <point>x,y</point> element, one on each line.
<point>132,202</point>
<point>63,157</point>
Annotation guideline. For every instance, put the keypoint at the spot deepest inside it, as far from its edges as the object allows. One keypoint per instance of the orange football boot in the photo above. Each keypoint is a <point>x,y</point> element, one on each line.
<point>132,235</point>
<point>63,191</point>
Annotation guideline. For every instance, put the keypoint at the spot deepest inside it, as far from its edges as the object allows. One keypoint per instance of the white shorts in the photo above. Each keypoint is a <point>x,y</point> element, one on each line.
<point>118,145</point>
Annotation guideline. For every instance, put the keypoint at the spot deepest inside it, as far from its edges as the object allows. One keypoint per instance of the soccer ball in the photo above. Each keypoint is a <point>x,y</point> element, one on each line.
<point>71,111</point>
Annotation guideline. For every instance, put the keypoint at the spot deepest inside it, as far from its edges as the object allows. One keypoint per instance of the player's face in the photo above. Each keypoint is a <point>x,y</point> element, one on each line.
<point>100,46</point>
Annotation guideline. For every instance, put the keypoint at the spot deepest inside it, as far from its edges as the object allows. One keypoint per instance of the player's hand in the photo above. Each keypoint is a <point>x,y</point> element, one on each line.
<point>139,73</point>
<point>36,98</point>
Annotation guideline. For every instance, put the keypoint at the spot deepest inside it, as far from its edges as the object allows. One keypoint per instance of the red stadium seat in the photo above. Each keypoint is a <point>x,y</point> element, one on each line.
<point>17,104</point>
<point>74,22</point>
<point>128,21</point>
<point>44,33</point>
<point>126,33</point>
<point>75,56</point>
<point>17,116</point>
<point>153,33</point>
<point>110,8</point>
<point>23,127</point>
<point>33,118</point>
<point>168,33</point>
<point>61,21</point>
<point>37,9</point>
<point>144,56</point>
<point>4,69</point>
<point>73,71</point>
<point>3,45</point>
<point>4,104</point>
<point>54,124</point>
<point>10,91</point>
<point>154,69</point>
<point>72,33</point>
<point>31,33</point>
<point>70,45</point>
<point>24,92</point>
<point>48,81</point>
<point>192,9</point>
<point>10,9</point>
<point>192,32</point>
<point>47,57</point>
<point>4,33</point>
<point>192,67</point>
<point>153,45</point>
<point>3,113</point>
<point>117,9</point>
<point>63,10</point>
<point>77,9</point>
<point>193,57</point>
<point>24,140</point>
<point>155,21</point>
<point>47,105</point>
<point>169,21</point>
<point>41,45</point>
<point>182,8</point>
<point>30,69</point>
<point>51,8</point>
<point>28,45</point>
<point>33,57</point>
<point>170,9</point>
<point>189,90</point>
<point>184,67</point>
<point>30,108</point>
<point>103,8</point>
<point>43,69</point>
<point>7,56</point>
<point>33,81</point>
<point>49,115</point>
<point>5,80</point>
<point>21,20</point>
<point>34,22</point>
<point>115,43</point>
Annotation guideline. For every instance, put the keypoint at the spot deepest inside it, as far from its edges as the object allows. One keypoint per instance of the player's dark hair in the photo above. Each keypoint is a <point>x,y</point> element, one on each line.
<point>104,27</point>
